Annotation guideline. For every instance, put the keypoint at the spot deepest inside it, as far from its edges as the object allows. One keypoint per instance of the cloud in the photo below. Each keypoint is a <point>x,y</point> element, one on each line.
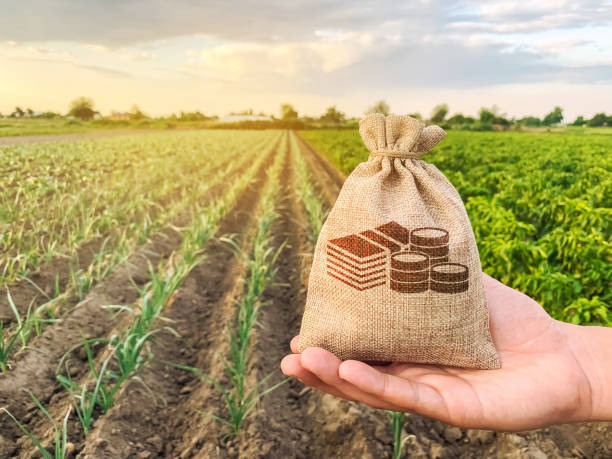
<point>317,48</point>
<point>507,17</point>
<point>25,53</point>
<point>344,66</point>
<point>104,70</point>
<point>125,23</point>
<point>332,50</point>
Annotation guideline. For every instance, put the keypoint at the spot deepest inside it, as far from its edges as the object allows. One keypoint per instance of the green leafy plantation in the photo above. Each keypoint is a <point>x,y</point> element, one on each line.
<point>540,205</point>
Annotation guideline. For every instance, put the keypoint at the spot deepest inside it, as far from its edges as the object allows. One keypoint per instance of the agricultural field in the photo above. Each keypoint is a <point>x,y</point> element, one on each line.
<point>152,283</point>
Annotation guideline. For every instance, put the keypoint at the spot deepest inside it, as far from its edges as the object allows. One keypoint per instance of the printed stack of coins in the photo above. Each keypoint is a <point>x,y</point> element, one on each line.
<point>409,272</point>
<point>431,241</point>
<point>449,278</point>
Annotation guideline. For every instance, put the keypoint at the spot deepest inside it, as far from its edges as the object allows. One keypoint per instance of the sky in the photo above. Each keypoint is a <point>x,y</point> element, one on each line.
<point>221,56</point>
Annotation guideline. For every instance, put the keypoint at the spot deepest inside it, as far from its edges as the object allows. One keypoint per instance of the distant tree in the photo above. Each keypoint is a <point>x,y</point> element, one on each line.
<point>29,112</point>
<point>456,119</point>
<point>49,115</point>
<point>532,121</point>
<point>136,113</point>
<point>332,115</point>
<point>193,116</point>
<point>439,113</point>
<point>82,108</point>
<point>288,112</point>
<point>502,121</point>
<point>600,119</point>
<point>554,117</point>
<point>17,113</point>
<point>579,121</point>
<point>379,107</point>
<point>493,116</point>
<point>486,115</point>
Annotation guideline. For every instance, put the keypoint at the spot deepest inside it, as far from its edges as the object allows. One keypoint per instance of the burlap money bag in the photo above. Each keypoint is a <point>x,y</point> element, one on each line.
<point>396,274</point>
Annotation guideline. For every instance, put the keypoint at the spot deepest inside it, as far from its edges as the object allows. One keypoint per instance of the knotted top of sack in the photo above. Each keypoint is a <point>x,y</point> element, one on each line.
<point>398,136</point>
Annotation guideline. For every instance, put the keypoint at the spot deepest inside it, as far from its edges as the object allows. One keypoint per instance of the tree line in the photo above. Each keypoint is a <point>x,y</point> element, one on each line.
<point>491,118</point>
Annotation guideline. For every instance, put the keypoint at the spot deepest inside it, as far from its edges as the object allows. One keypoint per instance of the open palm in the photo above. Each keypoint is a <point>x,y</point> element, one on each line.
<point>541,381</point>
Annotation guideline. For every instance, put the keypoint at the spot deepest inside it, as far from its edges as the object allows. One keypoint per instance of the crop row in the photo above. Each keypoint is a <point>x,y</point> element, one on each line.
<point>316,212</point>
<point>127,352</point>
<point>51,209</point>
<point>260,262</point>
<point>109,255</point>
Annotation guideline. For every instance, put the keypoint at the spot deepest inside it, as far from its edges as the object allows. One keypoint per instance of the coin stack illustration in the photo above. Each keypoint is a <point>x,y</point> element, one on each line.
<point>409,261</point>
<point>409,272</point>
<point>431,241</point>
<point>449,278</point>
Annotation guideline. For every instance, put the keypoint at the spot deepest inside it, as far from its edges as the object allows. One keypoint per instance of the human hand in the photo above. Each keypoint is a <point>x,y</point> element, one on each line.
<point>548,375</point>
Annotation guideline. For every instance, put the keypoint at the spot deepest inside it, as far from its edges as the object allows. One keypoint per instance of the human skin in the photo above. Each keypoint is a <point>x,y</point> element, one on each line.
<point>551,373</point>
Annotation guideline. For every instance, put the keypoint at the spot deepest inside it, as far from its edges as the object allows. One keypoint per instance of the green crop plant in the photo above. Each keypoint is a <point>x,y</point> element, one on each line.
<point>260,263</point>
<point>60,434</point>
<point>310,198</point>
<point>9,340</point>
<point>84,401</point>
<point>116,250</point>
<point>398,420</point>
<point>236,409</point>
<point>540,209</point>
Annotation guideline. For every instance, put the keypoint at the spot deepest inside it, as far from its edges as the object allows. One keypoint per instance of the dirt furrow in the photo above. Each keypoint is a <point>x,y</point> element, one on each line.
<point>323,170</point>
<point>294,421</point>
<point>35,370</point>
<point>169,424</point>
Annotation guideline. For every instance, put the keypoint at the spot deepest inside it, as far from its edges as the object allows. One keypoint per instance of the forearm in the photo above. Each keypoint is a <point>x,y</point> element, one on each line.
<point>592,347</point>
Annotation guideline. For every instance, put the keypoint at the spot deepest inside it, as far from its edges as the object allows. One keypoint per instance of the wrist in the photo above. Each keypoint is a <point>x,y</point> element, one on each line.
<point>592,348</point>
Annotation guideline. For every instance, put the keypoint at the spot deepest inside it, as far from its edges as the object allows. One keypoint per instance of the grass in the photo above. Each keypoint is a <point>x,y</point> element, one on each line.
<point>38,126</point>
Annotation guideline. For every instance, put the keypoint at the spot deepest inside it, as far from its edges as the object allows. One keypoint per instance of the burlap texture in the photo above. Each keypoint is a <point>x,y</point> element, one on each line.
<point>396,274</point>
